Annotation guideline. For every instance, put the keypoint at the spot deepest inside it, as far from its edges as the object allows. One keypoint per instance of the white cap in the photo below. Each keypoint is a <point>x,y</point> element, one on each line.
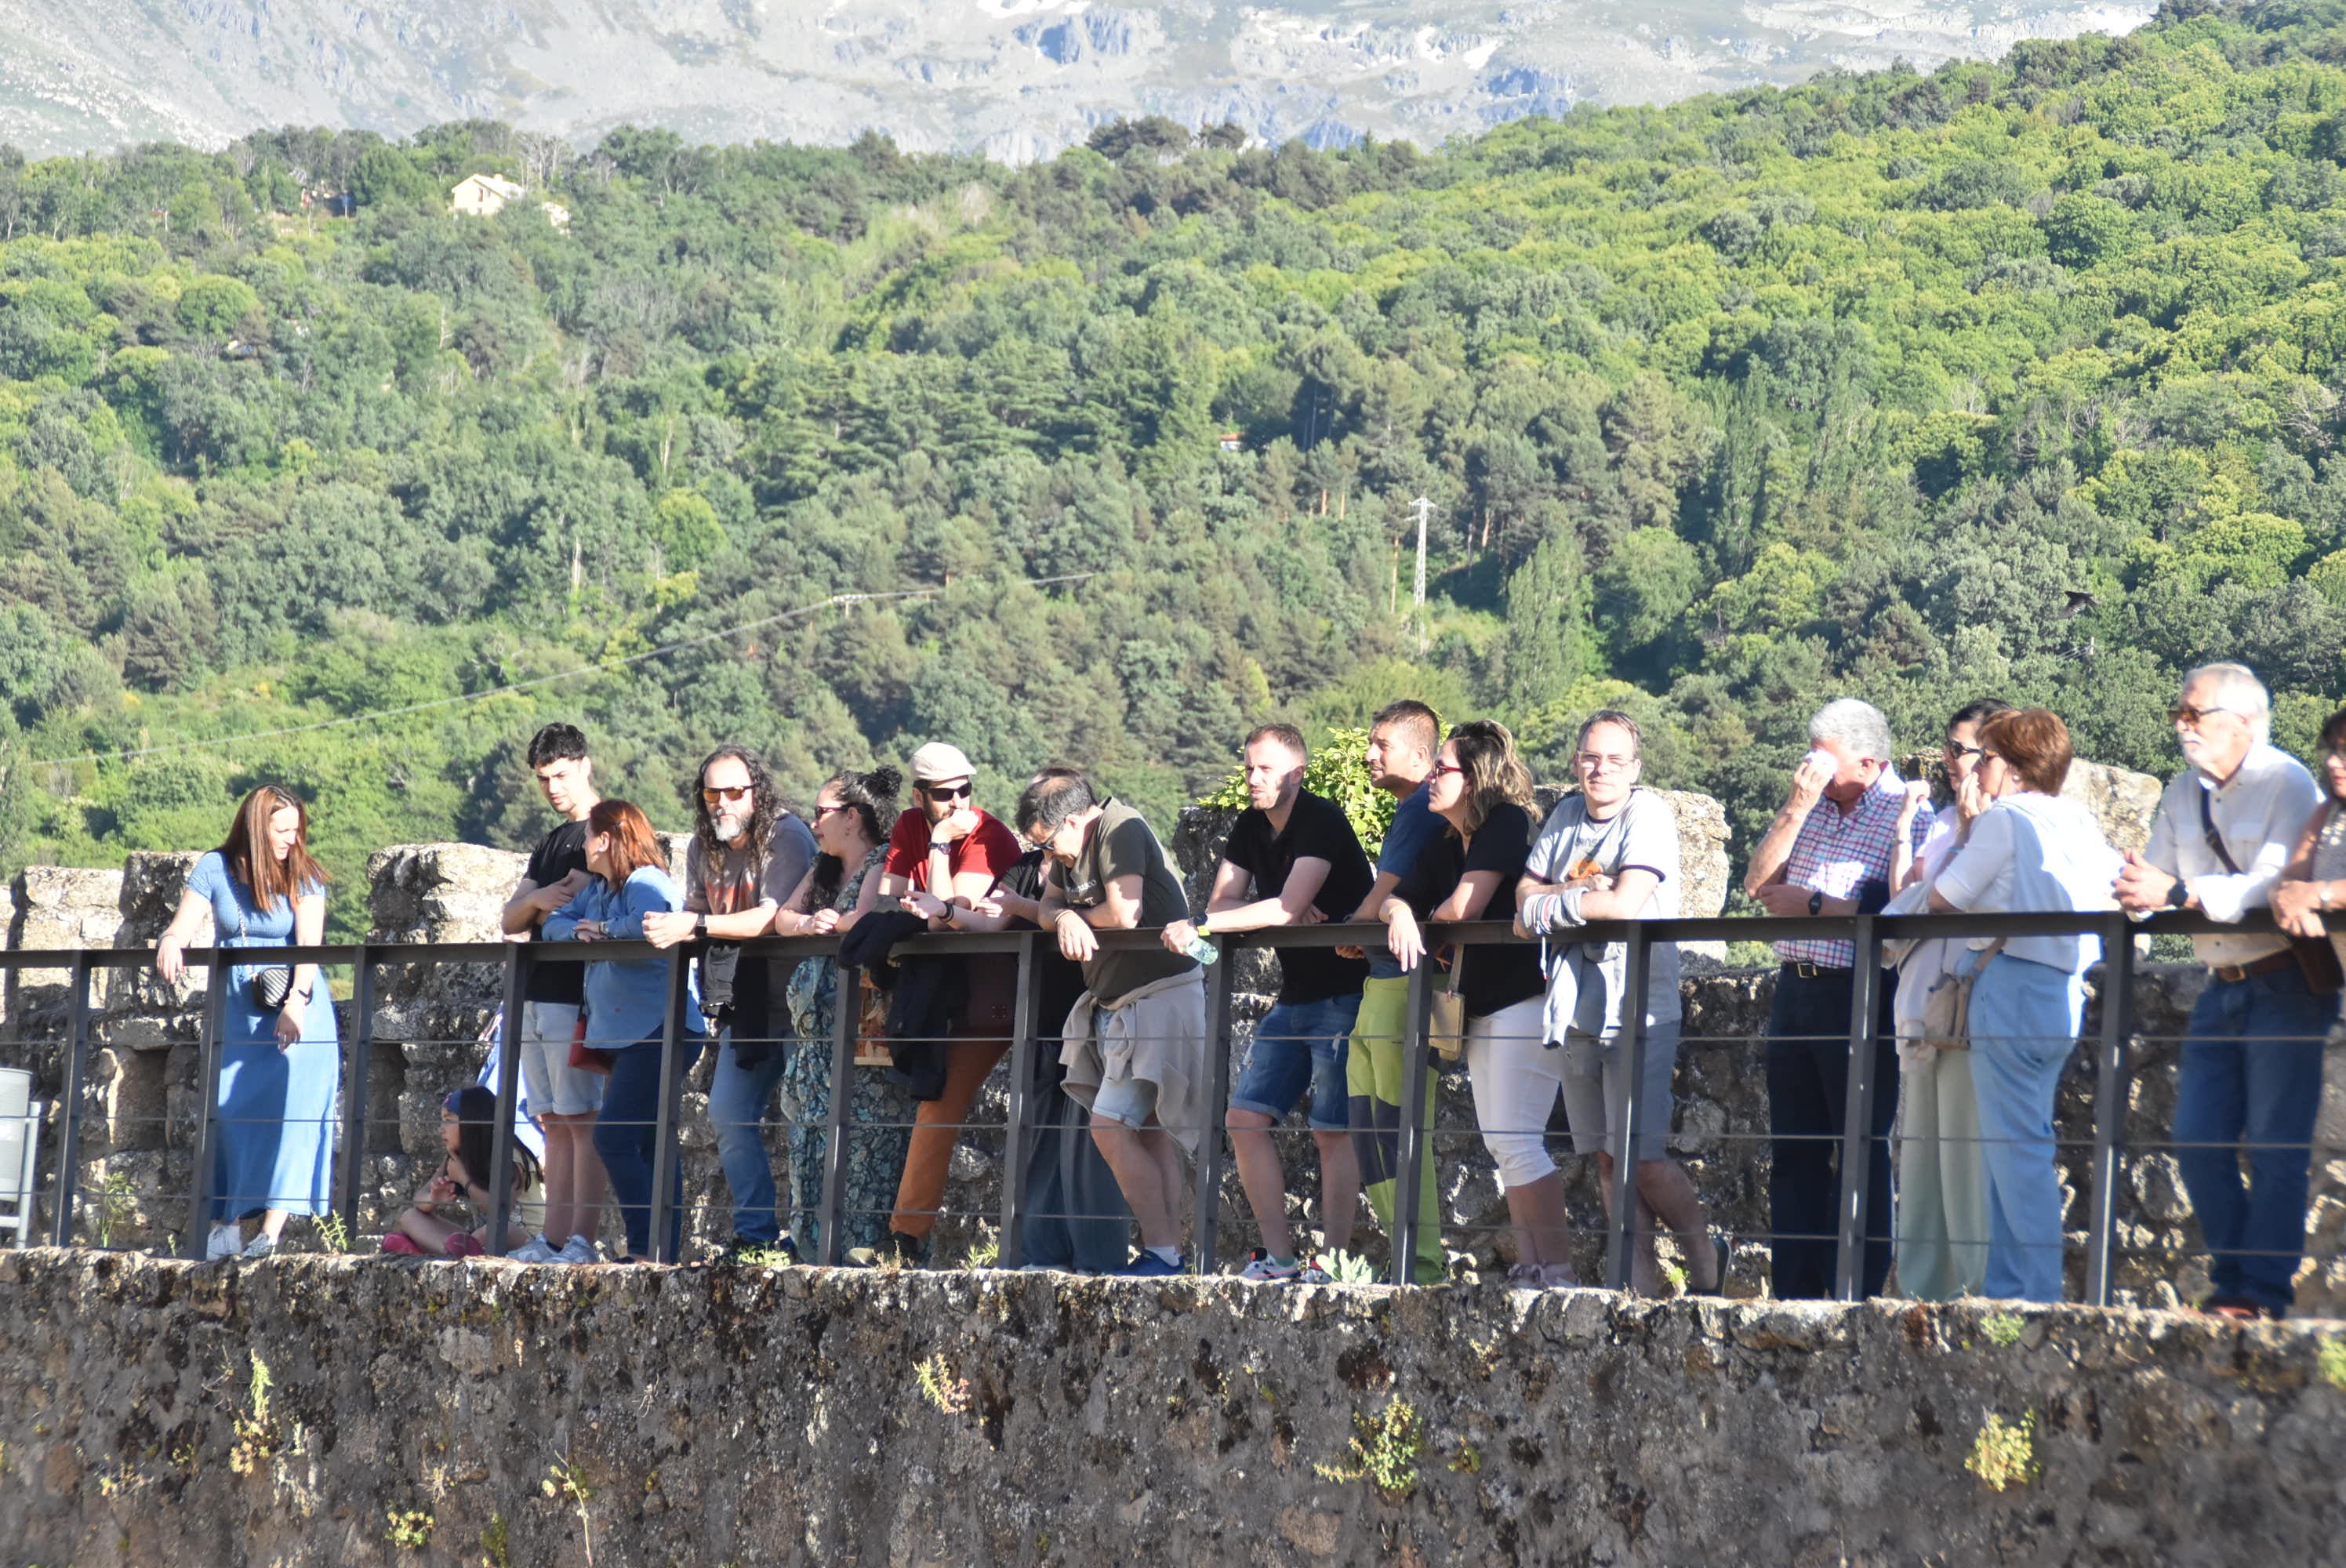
<point>940,760</point>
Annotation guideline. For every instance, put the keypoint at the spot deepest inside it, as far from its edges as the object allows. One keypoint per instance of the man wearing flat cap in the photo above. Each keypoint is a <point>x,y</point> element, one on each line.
<point>945,855</point>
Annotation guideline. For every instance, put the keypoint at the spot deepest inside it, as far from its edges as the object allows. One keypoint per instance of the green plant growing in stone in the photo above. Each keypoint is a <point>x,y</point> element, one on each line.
<point>334,1231</point>
<point>1348,1268</point>
<point>118,1204</point>
<point>1384,1449</point>
<point>2004,1329</point>
<point>410,1528</point>
<point>497,1552</point>
<point>941,1387</point>
<point>2331,1360</point>
<point>256,1435</point>
<point>2005,1456</point>
<point>563,1481</point>
<point>983,1253</point>
<point>1469,1461</point>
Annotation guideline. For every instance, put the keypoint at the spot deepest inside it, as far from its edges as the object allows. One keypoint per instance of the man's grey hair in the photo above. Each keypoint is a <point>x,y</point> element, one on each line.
<point>2237,691</point>
<point>1049,804</point>
<point>1857,725</point>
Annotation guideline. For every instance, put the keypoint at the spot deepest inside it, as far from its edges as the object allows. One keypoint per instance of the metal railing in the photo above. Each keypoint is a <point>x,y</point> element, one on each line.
<point>1857,1144</point>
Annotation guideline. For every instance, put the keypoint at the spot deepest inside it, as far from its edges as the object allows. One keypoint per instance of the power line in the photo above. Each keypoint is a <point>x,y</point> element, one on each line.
<point>836,601</point>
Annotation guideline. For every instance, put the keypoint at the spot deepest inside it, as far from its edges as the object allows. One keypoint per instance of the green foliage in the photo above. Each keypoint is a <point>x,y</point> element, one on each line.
<point>1338,769</point>
<point>2005,1456</point>
<point>1721,410</point>
<point>410,1528</point>
<point>2002,1329</point>
<point>2331,1358</point>
<point>1349,1268</point>
<point>1384,1449</point>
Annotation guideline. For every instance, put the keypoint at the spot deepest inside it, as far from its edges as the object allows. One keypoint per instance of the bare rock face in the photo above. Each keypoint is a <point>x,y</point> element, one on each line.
<point>140,1009</point>
<point>2122,803</point>
<point>57,907</point>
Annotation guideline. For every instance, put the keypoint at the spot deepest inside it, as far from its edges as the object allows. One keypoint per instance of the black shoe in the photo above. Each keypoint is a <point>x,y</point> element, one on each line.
<point>908,1251</point>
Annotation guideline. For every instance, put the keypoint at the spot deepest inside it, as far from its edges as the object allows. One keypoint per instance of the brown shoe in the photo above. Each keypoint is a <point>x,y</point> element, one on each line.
<point>2235,1308</point>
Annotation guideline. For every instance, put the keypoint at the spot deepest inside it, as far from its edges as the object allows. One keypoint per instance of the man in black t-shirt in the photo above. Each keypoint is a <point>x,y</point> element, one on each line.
<point>564,1099</point>
<point>1292,859</point>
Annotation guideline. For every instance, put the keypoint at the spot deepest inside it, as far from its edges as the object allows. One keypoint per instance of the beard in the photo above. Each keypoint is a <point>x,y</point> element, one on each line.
<point>728,827</point>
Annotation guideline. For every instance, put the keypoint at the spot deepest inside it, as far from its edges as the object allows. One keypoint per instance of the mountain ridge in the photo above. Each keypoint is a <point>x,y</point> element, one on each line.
<point>1015,79</point>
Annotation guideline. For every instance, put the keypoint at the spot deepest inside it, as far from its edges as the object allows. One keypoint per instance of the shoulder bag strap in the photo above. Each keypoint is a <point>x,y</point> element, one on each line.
<point>2208,830</point>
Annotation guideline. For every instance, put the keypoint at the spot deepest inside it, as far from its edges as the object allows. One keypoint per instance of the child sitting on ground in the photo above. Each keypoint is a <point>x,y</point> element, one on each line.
<point>467,1130</point>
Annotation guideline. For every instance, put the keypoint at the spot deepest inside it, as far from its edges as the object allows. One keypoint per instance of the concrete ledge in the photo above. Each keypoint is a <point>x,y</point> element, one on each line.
<point>339,1410</point>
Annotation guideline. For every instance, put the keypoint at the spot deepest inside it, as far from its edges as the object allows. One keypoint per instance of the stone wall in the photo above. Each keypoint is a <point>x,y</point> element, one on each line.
<point>331,1412</point>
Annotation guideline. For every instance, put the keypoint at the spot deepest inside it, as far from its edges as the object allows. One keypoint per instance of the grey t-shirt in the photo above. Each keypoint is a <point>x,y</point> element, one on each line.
<point>1120,843</point>
<point>790,850</point>
<point>1642,835</point>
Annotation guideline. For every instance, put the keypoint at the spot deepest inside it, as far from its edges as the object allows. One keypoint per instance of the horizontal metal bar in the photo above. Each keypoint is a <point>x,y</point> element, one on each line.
<point>1716,927</point>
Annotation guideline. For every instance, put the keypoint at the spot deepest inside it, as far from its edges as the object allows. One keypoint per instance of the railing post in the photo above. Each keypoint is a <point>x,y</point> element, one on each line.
<point>2109,1107</point>
<point>357,1056</point>
<point>1216,1098</point>
<point>1620,1249</point>
<point>1411,1153</point>
<point>665,1153</point>
<point>1010,1250</point>
<point>848,1016</point>
<point>1857,1115</point>
<point>208,1077</point>
<point>509,1028</point>
<point>69,1109</point>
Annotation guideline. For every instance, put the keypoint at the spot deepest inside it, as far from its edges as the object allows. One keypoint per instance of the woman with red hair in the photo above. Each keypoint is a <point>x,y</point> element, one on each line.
<point>627,1007</point>
<point>281,1060</point>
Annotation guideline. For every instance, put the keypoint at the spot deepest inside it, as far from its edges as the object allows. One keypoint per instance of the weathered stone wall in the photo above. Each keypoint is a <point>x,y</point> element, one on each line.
<point>315,1411</point>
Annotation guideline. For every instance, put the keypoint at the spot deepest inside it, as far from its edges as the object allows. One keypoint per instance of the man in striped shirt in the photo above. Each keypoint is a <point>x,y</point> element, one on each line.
<point>1828,853</point>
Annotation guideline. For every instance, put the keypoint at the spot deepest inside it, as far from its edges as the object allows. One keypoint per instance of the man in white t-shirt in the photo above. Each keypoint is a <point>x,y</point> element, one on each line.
<point>1611,853</point>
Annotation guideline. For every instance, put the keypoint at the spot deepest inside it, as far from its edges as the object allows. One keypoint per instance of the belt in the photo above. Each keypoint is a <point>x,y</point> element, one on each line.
<point>1814,971</point>
<point>2271,963</point>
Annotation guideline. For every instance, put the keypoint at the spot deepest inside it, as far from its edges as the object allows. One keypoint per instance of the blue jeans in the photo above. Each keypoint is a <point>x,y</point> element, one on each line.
<point>2023,1028</point>
<point>2251,1066</point>
<point>737,1109</point>
<point>1299,1045</point>
<point>626,1135</point>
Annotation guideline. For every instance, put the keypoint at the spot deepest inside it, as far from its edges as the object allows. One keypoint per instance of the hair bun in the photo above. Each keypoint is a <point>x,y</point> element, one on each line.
<point>884,780</point>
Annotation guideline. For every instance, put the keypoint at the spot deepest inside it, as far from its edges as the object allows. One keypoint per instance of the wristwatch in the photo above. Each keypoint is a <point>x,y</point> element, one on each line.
<point>700,924</point>
<point>2179,894</point>
<point>1817,901</point>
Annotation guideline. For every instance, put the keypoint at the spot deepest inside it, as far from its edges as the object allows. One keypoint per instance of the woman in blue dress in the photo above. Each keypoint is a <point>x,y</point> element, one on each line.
<point>281,1064</point>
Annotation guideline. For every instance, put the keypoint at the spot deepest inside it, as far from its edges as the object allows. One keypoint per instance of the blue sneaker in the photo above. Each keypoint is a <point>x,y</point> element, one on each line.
<point>1151,1267</point>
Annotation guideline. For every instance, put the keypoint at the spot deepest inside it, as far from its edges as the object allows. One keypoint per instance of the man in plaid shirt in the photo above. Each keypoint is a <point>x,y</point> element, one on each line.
<point>1829,852</point>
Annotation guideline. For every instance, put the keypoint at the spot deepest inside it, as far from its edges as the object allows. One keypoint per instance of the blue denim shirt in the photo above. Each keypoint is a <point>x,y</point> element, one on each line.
<point>626,1000</point>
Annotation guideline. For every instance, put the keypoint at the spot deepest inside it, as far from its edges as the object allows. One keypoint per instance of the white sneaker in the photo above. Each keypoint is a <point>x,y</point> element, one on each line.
<point>259,1247</point>
<point>537,1249</point>
<point>225,1241</point>
<point>577,1250</point>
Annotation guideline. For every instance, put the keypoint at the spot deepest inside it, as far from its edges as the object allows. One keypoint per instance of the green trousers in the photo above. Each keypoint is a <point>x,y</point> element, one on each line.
<point>1375,1078</point>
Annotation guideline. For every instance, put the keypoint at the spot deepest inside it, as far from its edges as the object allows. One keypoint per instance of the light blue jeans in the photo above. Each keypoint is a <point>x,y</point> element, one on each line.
<point>738,1096</point>
<point>2025,1018</point>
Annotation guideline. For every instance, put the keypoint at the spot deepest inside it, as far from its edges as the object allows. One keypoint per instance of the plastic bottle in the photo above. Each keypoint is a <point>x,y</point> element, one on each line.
<point>1202,948</point>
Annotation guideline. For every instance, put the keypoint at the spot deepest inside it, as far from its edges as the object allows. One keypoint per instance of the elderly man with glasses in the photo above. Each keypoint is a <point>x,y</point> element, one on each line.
<point>2251,1068</point>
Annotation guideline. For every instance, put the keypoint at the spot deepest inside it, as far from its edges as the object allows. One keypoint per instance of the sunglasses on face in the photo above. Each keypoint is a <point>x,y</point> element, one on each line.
<point>960,791</point>
<point>728,793</point>
<point>821,810</point>
<point>1957,750</point>
<point>2185,714</point>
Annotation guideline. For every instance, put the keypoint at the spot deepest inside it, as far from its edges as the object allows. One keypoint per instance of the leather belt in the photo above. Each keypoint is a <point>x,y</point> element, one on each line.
<point>1814,971</point>
<point>2271,963</point>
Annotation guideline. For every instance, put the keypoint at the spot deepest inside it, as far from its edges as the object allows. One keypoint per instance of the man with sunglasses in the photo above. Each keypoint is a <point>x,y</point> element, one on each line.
<point>747,855</point>
<point>2250,1066</point>
<point>945,855</point>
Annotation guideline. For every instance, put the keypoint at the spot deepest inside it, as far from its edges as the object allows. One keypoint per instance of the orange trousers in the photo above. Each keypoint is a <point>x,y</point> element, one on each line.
<point>982,1040</point>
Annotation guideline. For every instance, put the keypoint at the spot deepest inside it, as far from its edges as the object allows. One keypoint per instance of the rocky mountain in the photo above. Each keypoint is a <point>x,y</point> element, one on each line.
<point>1014,78</point>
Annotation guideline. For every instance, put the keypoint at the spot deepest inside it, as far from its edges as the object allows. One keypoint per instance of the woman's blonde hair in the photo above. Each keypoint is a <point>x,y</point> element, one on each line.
<point>1494,772</point>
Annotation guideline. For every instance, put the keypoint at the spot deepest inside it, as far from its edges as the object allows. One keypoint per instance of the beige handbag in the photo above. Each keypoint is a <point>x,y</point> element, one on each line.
<point>1947,1005</point>
<point>1445,1031</point>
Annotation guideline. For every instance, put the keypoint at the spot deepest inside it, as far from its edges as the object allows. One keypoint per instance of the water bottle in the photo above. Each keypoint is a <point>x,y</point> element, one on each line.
<point>1202,947</point>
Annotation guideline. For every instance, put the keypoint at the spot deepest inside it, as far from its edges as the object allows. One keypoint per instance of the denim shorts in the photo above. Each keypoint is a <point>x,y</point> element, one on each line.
<point>1299,1045</point>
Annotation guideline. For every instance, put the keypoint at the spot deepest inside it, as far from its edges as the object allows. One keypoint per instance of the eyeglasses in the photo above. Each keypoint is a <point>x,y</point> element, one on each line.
<point>1449,768</point>
<point>727,793</point>
<point>821,810</point>
<point>1957,750</point>
<point>1995,756</point>
<point>1594,763</point>
<point>2189,716</point>
<point>960,791</point>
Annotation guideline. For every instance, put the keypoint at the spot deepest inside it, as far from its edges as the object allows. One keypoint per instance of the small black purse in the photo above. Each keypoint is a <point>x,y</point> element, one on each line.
<point>272,985</point>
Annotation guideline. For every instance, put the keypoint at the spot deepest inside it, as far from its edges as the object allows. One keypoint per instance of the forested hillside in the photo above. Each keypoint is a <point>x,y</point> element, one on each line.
<point>1723,409</point>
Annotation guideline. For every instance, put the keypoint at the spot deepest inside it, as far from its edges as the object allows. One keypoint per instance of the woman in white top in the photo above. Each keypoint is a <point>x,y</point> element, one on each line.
<point>2029,851</point>
<point>1941,1236</point>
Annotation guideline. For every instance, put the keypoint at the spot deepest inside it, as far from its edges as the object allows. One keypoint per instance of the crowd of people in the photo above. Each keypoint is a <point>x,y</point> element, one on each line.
<point>1970,1041</point>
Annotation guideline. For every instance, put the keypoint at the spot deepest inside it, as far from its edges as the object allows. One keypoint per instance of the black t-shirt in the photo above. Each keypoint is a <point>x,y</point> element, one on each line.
<point>1063,981</point>
<point>1316,829</point>
<point>559,853</point>
<point>1498,975</point>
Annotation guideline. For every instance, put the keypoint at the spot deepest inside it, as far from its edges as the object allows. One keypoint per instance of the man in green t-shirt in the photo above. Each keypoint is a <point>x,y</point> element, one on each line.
<point>1136,1040</point>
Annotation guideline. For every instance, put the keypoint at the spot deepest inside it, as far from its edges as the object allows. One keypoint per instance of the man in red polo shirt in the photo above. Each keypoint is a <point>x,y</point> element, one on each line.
<point>945,855</point>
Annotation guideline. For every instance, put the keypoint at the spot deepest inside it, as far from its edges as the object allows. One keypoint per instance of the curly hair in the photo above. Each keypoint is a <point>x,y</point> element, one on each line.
<point>1495,773</point>
<point>871,796</point>
<point>765,805</point>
